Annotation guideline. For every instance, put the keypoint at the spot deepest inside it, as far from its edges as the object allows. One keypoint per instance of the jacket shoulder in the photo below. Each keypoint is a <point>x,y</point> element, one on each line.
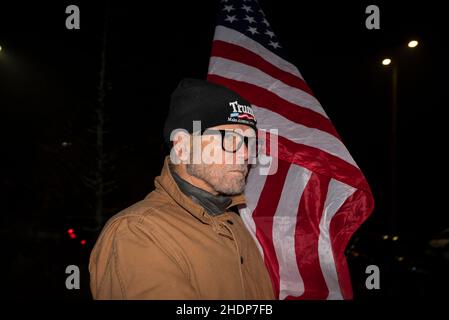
<point>145,208</point>
<point>132,253</point>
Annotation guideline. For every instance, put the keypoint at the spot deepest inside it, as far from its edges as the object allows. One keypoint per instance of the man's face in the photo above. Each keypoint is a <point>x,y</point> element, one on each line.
<point>224,171</point>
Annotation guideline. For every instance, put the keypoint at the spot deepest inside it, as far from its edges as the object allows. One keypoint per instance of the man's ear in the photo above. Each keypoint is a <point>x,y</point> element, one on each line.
<point>181,147</point>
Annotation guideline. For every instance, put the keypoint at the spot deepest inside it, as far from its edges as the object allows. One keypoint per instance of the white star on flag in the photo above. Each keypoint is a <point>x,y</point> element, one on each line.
<point>253,30</point>
<point>249,19</point>
<point>270,33</point>
<point>247,8</point>
<point>274,44</point>
<point>231,19</point>
<point>228,8</point>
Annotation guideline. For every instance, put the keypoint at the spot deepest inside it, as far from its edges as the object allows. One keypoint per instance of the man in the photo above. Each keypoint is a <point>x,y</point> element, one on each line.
<point>185,240</point>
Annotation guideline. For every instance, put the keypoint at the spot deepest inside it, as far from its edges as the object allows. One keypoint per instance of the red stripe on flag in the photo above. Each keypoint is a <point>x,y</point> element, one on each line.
<point>263,218</point>
<point>234,52</point>
<point>345,222</point>
<point>319,161</point>
<point>307,235</point>
<point>266,99</point>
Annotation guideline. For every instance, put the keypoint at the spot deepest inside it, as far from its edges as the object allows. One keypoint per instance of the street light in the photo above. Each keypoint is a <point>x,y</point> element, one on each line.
<point>413,44</point>
<point>393,141</point>
<point>0,48</point>
<point>386,61</point>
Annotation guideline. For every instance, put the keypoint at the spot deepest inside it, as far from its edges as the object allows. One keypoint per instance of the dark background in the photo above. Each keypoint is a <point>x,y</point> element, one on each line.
<point>50,103</point>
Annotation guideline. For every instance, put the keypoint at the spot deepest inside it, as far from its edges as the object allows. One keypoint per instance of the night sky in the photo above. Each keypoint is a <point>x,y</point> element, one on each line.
<point>49,78</point>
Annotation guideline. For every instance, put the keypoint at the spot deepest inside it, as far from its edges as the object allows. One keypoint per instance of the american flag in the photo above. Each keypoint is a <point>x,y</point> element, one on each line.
<point>304,214</point>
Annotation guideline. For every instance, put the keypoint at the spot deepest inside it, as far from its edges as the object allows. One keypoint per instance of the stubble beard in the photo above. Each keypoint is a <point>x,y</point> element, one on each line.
<point>223,179</point>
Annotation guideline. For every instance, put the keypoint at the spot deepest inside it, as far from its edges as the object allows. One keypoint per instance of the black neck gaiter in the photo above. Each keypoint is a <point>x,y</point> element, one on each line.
<point>214,205</point>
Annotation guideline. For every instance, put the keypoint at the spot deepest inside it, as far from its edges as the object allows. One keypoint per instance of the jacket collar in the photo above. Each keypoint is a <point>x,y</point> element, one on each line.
<point>167,184</point>
<point>214,204</point>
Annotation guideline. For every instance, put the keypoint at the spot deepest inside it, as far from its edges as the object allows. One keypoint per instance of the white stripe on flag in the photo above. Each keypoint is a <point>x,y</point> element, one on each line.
<point>284,228</point>
<point>232,36</point>
<point>254,186</point>
<point>301,134</point>
<point>242,72</point>
<point>337,194</point>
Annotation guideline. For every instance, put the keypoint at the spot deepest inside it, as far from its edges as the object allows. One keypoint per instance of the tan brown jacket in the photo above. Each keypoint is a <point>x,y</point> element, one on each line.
<point>167,247</point>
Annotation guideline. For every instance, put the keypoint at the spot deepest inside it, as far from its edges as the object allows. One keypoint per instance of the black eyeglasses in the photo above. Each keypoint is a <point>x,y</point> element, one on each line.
<point>232,141</point>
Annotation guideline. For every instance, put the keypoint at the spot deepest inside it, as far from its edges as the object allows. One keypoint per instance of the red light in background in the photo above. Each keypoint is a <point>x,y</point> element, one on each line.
<point>70,231</point>
<point>72,235</point>
<point>83,242</point>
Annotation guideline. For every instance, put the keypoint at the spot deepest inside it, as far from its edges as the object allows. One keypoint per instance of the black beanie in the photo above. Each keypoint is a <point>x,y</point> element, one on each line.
<point>210,103</point>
